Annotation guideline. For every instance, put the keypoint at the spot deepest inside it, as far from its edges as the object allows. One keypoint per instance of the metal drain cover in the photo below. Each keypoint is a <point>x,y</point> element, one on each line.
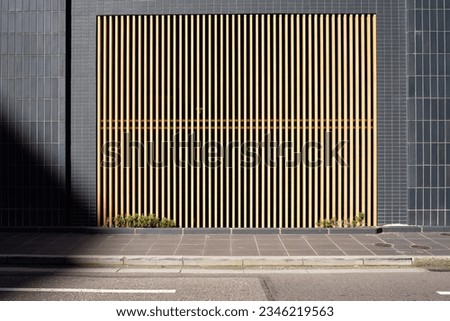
<point>384,244</point>
<point>420,247</point>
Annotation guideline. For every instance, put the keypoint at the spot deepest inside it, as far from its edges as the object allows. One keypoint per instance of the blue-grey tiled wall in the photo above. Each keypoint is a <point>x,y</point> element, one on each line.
<point>32,112</point>
<point>428,105</point>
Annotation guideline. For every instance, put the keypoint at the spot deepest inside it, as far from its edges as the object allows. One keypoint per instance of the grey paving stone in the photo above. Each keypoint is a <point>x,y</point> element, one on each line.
<point>255,231</point>
<point>265,252</point>
<point>439,252</point>
<point>302,253</point>
<point>216,253</point>
<point>244,254</point>
<point>218,237</point>
<point>133,252</point>
<point>189,253</point>
<point>358,252</point>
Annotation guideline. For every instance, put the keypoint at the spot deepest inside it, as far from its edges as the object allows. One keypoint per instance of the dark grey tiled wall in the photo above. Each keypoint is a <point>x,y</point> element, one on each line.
<point>32,112</point>
<point>428,104</point>
<point>392,130</point>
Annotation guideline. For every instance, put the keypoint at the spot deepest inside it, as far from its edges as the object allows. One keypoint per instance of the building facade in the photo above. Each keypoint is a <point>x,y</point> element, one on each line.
<point>56,84</point>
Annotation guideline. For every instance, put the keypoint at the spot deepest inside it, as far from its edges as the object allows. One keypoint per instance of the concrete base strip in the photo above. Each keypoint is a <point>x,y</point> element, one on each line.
<point>173,262</point>
<point>69,290</point>
<point>63,271</point>
<point>388,261</point>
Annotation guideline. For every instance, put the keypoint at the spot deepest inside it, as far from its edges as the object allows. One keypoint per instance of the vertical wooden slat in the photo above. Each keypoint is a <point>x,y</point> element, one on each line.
<point>221,108</point>
<point>333,184</point>
<point>299,94</point>
<point>263,114</point>
<point>244,106</point>
<point>133,114</point>
<point>256,189</point>
<point>233,112</point>
<point>105,115</point>
<point>116,114</point>
<point>321,117</point>
<point>192,116</point>
<point>316,117</point>
<point>275,108</point>
<point>270,106</point>
<point>304,109</point>
<point>181,209</point>
<point>216,109</point>
<point>280,122</point>
<point>227,213</point>
<point>292,108</point>
<point>139,118</point>
<point>167,107</point>
<point>186,109</point>
<point>375,121</point>
<point>109,133</point>
<point>151,106</point>
<point>327,92</point>
<point>122,113</point>
<point>363,116</point>
<point>145,115</point>
<point>157,95</point>
<point>287,173</point>
<point>99,121</point>
<point>359,123</point>
<point>344,113</point>
<point>310,192</point>
<point>128,108</point>
<point>162,109</point>
<point>210,32</point>
<point>251,213</point>
<point>175,75</point>
<point>352,124</point>
<point>197,112</point>
<point>339,113</point>
<point>239,109</point>
<point>203,106</point>
<point>369,117</point>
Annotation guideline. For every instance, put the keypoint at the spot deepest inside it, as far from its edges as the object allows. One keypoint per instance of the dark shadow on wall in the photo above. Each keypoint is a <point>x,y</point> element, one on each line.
<point>32,189</point>
<point>35,163</point>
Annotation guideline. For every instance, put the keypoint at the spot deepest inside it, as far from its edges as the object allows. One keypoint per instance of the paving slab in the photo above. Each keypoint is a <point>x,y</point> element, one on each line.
<point>158,250</point>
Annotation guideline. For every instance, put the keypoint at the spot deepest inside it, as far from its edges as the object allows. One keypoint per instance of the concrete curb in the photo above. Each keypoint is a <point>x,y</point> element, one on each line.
<point>161,262</point>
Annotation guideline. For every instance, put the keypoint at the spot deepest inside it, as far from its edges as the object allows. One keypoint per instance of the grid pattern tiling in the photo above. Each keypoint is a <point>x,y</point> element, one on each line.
<point>428,109</point>
<point>32,112</point>
<point>236,245</point>
<point>391,33</point>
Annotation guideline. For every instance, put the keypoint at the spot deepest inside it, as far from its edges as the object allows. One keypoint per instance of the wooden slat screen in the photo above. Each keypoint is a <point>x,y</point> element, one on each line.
<point>236,78</point>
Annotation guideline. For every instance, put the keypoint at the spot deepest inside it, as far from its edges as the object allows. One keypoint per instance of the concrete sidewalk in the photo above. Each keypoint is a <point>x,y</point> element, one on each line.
<point>224,250</point>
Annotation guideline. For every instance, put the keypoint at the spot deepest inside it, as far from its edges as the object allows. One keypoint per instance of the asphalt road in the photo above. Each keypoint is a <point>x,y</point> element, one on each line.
<point>305,285</point>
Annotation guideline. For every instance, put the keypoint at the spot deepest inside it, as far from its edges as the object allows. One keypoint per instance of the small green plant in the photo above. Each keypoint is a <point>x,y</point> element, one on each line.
<point>327,223</point>
<point>166,223</point>
<point>141,221</point>
<point>358,221</point>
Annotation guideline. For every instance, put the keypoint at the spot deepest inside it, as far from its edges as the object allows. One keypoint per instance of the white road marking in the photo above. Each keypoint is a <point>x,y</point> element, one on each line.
<point>443,292</point>
<point>65,290</point>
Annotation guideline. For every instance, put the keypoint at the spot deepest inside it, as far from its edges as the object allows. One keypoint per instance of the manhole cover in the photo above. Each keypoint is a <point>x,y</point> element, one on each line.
<point>445,234</point>
<point>384,244</point>
<point>421,247</point>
